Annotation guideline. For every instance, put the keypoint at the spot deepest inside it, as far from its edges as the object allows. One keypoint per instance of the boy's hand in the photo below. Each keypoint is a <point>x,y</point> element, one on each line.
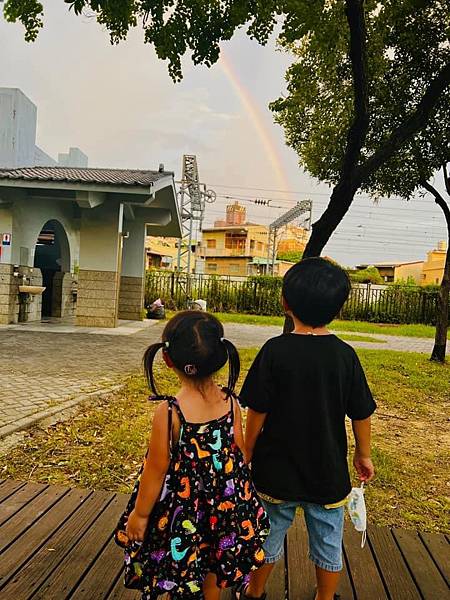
<point>364,467</point>
<point>136,527</point>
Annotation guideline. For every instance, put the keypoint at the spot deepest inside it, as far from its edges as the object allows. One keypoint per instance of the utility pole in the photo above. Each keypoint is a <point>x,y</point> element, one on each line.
<point>305,206</point>
<point>193,199</point>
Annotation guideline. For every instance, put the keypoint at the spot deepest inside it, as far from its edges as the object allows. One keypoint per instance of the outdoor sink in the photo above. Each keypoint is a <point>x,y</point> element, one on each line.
<point>34,290</point>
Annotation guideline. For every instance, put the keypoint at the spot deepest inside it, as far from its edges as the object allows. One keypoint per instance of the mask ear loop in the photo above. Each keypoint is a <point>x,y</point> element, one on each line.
<point>364,533</point>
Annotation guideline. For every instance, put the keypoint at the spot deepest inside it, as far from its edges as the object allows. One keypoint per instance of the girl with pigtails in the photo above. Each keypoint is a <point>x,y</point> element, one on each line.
<point>194,524</point>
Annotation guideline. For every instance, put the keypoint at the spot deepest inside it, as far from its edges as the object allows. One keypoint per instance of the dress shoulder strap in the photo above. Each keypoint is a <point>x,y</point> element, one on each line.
<point>172,403</point>
<point>233,397</point>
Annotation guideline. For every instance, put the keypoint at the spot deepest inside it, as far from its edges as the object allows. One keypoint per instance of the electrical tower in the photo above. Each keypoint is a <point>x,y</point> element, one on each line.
<point>305,206</point>
<point>193,198</point>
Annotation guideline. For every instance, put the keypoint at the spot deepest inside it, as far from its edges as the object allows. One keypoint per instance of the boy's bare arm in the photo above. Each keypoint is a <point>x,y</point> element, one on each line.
<point>254,425</point>
<point>362,460</point>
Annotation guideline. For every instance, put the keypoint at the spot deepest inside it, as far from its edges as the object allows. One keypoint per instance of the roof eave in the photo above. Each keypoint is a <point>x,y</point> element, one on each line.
<point>82,186</point>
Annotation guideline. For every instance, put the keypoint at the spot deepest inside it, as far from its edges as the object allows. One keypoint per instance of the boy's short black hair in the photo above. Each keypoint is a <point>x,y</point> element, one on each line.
<point>315,290</point>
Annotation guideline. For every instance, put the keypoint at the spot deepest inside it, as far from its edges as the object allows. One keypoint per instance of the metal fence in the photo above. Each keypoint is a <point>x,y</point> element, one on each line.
<point>262,296</point>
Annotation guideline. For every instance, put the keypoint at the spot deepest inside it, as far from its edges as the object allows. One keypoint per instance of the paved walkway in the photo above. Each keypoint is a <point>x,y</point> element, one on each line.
<point>48,368</point>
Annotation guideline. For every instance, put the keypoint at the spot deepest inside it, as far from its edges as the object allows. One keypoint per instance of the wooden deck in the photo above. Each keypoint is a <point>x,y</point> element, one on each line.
<point>56,542</point>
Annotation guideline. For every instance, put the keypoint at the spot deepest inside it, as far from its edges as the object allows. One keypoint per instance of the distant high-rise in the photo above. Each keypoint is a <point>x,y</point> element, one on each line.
<point>18,119</point>
<point>74,158</point>
<point>236,214</point>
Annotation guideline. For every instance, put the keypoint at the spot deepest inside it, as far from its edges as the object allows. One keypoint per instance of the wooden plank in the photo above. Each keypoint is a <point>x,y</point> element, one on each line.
<point>36,536</point>
<point>22,520</point>
<point>120,592</point>
<point>345,589</point>
<point>20,499</point>
<point>426,575</point>
<point>77,562</point>
<point>110,561</point>
<point>9,487</point>
<point>367,582</point>
<point>301,576</point>
<point>396,575</point>
<point>47,559</point>
<point>276,585</point>
<point>439,549</point>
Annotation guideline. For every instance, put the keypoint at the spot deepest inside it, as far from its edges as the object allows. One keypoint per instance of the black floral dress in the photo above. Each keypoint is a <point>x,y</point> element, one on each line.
<point>208,517</point>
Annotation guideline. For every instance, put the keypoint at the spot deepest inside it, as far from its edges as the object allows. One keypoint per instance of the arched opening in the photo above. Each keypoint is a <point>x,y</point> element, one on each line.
<point>52,257</point>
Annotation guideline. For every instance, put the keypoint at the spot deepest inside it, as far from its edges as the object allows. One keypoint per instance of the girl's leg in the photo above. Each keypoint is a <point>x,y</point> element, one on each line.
<point>258,580</point>
<point>210,589</point>
<point>327,583</point>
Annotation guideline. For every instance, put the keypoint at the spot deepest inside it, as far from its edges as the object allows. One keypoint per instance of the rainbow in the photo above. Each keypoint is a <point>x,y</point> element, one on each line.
<point>255,115</point>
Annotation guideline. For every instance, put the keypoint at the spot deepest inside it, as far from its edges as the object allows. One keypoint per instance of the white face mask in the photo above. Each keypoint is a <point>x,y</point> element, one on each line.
<point>356,506</point>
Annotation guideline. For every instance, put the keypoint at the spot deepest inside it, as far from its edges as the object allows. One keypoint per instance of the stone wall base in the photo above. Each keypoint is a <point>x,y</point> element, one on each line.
<point>15,307</point>
<point>9,296</point>
<point>97,299</point>
<point>131,298</point>
<point>63,297</point>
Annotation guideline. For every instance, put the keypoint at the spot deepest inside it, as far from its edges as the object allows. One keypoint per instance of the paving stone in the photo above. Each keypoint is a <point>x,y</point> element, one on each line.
<point>43,370</point>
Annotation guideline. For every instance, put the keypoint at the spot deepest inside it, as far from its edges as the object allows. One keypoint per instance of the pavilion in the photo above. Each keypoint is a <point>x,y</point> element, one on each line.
<point>80,233</point>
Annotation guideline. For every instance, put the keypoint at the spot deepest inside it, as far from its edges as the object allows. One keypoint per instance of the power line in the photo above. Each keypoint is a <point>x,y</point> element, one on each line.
<point>306,192</point>
<point>265,201</point>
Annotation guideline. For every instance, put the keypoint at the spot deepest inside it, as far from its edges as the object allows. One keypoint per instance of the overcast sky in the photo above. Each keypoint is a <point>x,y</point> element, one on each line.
<point>120,107</point>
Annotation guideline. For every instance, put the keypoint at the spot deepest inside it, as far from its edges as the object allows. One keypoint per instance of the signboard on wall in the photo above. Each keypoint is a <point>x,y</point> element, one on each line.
<point>5,248</point>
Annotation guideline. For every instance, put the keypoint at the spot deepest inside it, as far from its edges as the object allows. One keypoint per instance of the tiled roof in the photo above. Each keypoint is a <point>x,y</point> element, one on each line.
<point>129,177</point>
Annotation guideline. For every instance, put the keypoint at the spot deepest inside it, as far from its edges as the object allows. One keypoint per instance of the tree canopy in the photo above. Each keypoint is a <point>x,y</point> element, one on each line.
<point>290,255</point>
<point>368,275</point>
<point>368,93</point>
<point>407,47</point>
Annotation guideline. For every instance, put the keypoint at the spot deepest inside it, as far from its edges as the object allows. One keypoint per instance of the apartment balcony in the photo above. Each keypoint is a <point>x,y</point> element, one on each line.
<point>214,252</point>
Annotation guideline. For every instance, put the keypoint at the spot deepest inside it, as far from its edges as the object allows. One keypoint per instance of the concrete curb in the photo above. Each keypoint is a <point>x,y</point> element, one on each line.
<point>37,417</point>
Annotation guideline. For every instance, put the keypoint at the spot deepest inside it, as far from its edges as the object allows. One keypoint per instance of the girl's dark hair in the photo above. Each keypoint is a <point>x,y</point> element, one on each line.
<point>195,343</point>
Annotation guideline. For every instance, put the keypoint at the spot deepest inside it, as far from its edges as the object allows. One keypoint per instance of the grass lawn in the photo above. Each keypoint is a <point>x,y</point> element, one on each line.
<point>102,446</point>
<point>426,331</point>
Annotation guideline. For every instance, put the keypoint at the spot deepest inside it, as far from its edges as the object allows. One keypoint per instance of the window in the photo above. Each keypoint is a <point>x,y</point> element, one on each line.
<point>212,267</point>
<point>260,246</point>
<point>211,244</point>
<point>252,245</point>
<point>234,269</point>
<point>236,242</point>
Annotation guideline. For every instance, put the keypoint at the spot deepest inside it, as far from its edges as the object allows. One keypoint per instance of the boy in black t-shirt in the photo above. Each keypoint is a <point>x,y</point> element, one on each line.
<point>299,391</point>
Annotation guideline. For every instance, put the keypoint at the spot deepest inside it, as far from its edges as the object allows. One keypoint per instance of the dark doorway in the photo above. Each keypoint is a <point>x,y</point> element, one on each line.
<point>50,257</point>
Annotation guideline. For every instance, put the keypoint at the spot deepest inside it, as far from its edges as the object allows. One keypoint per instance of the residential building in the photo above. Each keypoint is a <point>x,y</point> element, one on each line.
<point>238,248</point>
<point>428,272</point>
<point>232,245</point>
<point>433,267</point>
<point>293,239</point>
<point>161,252</point>
<point>392,271</point>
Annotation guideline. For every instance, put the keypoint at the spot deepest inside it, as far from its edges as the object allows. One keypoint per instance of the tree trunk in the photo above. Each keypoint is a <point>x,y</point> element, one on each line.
<point>442,321</point>
<point>340,201</point>
<point>440,340</point>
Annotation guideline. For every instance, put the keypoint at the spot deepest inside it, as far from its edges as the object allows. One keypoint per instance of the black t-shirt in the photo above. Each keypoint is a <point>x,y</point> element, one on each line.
<point>307,385</point>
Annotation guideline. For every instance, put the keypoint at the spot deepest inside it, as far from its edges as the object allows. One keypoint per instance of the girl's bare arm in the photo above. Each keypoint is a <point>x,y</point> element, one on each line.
<point>238,434</point>
<point>153,475</point>
<point>253,427</point>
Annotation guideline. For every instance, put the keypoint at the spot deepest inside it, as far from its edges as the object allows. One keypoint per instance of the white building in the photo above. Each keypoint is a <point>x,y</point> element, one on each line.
<point>18,120</point>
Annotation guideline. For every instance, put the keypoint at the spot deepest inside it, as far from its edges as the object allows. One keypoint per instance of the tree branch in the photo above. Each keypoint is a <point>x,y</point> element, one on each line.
<point>410,126</point>
<point>345,189</point>
<point>354,10</point>
<point>440,202</point>
<point>446,178</point>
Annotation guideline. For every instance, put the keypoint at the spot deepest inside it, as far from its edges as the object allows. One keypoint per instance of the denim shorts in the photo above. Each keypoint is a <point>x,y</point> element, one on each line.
<point>325,530</point>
